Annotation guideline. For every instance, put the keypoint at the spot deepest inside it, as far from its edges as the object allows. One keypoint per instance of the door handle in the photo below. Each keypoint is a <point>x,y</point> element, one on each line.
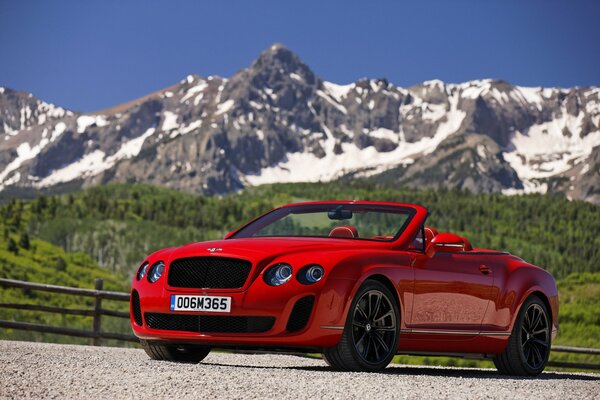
<point>484,269</point>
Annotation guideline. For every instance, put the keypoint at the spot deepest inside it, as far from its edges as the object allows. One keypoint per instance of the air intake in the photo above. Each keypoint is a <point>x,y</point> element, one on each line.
<point>300,314</point>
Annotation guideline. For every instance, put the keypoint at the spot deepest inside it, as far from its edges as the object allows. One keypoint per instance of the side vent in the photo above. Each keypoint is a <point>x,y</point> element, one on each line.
<point>300,314</point>
<point>135,306</point>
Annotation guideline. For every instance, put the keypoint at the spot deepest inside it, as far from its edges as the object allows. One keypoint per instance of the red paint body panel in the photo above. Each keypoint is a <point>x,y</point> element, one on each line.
<point>450,301</point>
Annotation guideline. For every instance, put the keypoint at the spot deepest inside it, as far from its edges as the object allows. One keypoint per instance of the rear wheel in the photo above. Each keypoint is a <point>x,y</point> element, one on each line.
<point>528,348</point>
<point>370,337</point>
<point>188,353</point>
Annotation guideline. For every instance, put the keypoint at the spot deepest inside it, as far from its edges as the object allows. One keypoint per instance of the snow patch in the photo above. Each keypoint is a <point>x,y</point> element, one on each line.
<point>384,133</point>
<point>338,92</point>
<point>169,121</point>
<point>306,167</point>
<point>13,179</point>
<point>481,150</point>
<point>85,121</point>
<point>59,129</point>
<point>529,95</point>
<point>585,169</point>
<point>331,100</point>
<point>224,107</point>
<point>544,151</point>
<point>24,153</point>
<point>95,162</point>
<point>433,112</point>
<point>191,92</point>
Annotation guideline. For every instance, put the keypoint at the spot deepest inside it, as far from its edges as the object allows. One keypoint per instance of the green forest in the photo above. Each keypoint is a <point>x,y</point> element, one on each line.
<point>105,232</point>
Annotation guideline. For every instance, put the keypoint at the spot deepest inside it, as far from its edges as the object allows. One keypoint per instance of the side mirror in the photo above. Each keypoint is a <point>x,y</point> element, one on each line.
<point>448,243</point>
<point>230,234</point>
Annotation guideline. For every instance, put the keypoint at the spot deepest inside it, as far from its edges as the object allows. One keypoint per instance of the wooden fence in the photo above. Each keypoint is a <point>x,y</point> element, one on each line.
<point>97,312</point>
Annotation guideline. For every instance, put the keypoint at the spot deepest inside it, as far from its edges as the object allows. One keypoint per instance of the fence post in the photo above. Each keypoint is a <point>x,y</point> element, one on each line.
<point>98,284</point>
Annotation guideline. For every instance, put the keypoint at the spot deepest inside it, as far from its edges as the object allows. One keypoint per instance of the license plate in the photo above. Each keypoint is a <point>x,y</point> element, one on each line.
<point>200,303</point>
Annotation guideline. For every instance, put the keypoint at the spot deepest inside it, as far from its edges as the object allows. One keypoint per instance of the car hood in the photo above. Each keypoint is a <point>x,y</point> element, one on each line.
<point>259,249</point>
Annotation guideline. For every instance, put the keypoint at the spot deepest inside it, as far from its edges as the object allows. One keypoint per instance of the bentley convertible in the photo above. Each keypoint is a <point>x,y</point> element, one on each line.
<point>358,281</point>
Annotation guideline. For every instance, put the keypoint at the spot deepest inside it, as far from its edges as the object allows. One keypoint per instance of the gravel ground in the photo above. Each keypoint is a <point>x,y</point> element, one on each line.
<point>42,370</point>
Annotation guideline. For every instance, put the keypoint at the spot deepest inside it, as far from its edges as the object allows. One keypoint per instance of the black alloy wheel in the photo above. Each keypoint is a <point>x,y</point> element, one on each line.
<point>535,336</point>
<point>374,327</point>
<point>370,337</point>
<point>528,348</point>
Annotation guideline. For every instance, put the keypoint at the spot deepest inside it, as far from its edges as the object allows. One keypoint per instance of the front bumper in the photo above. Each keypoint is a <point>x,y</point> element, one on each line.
<point>322,328</point>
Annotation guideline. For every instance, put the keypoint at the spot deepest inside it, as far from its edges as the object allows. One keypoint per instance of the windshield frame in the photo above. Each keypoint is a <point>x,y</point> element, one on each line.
<point>281,212</point>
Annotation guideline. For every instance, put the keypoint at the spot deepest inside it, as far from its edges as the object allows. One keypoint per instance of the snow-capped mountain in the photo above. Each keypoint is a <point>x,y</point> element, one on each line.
<point>276,121</point>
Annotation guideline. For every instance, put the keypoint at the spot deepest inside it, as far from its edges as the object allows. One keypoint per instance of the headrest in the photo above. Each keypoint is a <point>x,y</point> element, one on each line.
<point>430,233</point>
<point>344,231</point>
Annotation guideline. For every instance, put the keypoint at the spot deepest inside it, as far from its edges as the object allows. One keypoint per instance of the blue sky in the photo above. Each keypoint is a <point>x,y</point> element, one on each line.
<point>88,55</point>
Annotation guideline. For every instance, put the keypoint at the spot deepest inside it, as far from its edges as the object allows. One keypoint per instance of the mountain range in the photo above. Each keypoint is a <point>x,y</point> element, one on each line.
<point>276,121</point>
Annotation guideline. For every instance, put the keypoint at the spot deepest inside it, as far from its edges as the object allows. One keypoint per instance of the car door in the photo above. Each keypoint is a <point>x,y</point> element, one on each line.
<point>451,292</point>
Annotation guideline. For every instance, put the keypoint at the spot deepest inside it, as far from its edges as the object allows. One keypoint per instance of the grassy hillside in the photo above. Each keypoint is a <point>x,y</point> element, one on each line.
<point>40,261</point>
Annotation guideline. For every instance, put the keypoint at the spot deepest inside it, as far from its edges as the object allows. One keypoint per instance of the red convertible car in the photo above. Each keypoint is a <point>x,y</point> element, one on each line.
<point>358,281</point>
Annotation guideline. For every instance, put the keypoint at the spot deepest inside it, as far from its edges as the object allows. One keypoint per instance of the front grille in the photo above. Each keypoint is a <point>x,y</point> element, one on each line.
<point>208,323</point>
<point>209,272</point>
<point>300,314</point>
<point>137,309</point>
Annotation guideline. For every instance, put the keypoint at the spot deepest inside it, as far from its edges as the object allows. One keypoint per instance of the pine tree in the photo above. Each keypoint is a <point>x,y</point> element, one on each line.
<point>12,246</point>
<point>61,264</point>
<point>24,241</point>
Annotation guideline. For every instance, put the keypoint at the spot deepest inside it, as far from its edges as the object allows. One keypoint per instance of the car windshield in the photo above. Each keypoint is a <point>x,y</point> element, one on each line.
<point>347,221</point>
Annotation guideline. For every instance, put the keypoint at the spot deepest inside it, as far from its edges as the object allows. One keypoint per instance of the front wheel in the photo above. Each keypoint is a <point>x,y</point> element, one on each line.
<point>173,352</point>
<point>528,347</point>
<point>370,337</point>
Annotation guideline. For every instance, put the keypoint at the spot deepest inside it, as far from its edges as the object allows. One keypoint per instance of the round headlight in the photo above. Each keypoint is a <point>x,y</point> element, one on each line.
<point>278,274</point>
<point>156,271</point>
<point>310,274</point>
<point>142,271</point>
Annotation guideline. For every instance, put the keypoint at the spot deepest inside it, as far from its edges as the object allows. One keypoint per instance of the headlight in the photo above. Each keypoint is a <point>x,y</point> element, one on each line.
<point>278,274</point>
<point>310,274</point>
<point>142,271</point>
<point>156,271</point>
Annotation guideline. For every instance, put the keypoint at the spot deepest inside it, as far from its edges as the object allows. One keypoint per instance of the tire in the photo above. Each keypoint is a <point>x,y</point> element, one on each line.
<point>188,353</point>
<point>370,337</point>
<point>528,348</point>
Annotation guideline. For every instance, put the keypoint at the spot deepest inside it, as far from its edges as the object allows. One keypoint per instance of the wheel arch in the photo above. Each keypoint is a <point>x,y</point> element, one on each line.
<point>387,283</point>
<point>542,296</point>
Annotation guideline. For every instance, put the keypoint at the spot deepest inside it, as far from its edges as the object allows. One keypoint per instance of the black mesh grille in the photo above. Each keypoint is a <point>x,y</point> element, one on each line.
<point>209,272</point>
<point>137,309</point>
<point>209,323</point>
<point>300,314</point>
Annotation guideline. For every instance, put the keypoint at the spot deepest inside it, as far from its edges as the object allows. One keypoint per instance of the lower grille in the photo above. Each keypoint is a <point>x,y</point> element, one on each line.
<point>300,314</point>
<point>208,323</point>
<point>137,309</point>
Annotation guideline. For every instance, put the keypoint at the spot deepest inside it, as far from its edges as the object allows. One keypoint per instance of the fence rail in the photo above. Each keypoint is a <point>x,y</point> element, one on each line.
<point>95,335</point>
<point>97,312</point>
